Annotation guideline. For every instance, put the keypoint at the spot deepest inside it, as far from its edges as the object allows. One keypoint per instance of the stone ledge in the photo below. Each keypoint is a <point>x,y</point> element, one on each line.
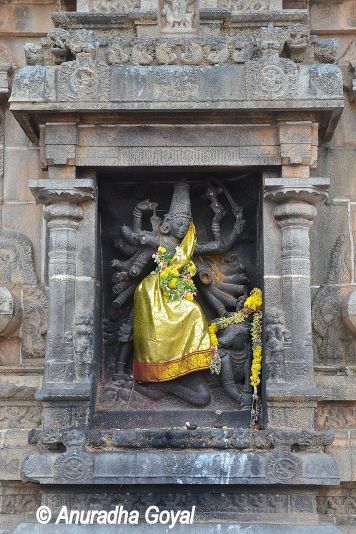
<point>181,467</point>
<point>181,438</point>
<point>225,528</point>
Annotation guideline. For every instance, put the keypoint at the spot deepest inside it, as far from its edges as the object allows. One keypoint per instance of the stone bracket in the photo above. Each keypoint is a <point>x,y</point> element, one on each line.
<point>299,143</point>
<point>310,190</point>
<point>72,191</point>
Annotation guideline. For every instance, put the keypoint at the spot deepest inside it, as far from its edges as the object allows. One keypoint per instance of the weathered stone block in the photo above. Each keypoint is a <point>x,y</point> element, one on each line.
<point>20,165</point>
<point>20,414</point>
<point>342,452</point>
<point>24,17</point>
<point>17,498</point>
<point>15,136</point>
<point>339,163</point>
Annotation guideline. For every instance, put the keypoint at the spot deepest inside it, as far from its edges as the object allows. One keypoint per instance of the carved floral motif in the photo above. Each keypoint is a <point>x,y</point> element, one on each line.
<point>246,5</point>
<point>113,6</point>
<point>271,80</point>
<point>283,467</point>
<point>75,467</point>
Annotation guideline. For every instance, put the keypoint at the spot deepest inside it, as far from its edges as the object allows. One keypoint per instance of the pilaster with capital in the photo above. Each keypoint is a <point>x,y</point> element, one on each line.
<point>69,350</point>
<point>291,392</point>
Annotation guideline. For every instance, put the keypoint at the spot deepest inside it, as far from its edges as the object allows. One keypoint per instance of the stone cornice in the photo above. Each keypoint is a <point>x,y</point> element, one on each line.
<point>69,20</point>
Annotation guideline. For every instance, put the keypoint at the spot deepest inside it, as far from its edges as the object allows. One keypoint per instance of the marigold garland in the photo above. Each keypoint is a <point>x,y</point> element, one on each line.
<point>175,284</point>
<point>251,306</point>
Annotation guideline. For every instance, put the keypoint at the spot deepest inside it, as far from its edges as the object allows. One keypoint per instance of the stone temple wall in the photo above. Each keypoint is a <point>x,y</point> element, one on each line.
<point>333,270</point>
<point>23,244</point>
<point>21,233</point>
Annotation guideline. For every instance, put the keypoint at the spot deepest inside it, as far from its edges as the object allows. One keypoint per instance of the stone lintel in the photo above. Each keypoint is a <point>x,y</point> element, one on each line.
<point>181,467</point>
<point>177,88</point>
<point>310,190</point>
<point>55,191</point>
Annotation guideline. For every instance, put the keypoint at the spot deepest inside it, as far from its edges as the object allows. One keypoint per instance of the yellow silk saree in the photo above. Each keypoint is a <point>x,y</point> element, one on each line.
<point>171,338</point>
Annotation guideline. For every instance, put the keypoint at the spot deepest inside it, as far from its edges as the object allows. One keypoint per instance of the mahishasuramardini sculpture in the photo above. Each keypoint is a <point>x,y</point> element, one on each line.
<point>172,346</point>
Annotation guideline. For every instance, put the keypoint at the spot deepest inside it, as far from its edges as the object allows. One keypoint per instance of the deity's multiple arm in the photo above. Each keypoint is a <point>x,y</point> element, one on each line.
<point>143,238</point>
<point>140,208</point>
<point>220,245</point>
<point>135,236</point>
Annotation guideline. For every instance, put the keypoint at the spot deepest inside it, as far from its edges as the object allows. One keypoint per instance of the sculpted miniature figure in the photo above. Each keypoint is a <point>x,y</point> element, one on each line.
<point>169,329</point>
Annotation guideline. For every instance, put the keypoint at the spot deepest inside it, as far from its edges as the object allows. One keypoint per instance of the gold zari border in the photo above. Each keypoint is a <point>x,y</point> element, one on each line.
<point>161,372</point>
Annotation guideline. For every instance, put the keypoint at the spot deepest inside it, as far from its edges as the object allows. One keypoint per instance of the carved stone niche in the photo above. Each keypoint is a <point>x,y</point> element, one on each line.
<point>225,275</point>
<point>23,304</point>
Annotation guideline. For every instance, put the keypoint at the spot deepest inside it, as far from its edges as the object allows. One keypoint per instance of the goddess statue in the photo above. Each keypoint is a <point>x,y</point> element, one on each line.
<point>172,344</point>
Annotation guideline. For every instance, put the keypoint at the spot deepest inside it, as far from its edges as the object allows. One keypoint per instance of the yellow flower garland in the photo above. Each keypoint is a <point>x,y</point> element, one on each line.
<point>252,305</point>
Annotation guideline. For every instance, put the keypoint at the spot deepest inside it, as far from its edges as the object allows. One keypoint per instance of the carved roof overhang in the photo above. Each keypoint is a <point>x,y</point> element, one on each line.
<point>86,87</point>
<point>241,67</point>
<point>108,21</point>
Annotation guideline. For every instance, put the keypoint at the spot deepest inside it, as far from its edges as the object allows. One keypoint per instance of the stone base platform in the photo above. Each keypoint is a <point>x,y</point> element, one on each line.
<point>203,528</point>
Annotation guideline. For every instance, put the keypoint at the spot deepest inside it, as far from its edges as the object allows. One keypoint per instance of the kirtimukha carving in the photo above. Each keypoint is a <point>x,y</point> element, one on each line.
<point>172,347</point>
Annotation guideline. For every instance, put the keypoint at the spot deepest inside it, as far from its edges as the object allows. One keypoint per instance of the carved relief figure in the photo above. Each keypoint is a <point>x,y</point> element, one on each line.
<point>83,344</point>
<point>277,339</point>
<point>171,338</point>
<point>178,15</point>
<point>17,275</point>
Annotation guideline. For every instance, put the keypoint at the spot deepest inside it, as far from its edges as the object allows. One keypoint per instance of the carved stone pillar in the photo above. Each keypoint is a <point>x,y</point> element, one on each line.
<point>291,392</point>
<point>67,377</point>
